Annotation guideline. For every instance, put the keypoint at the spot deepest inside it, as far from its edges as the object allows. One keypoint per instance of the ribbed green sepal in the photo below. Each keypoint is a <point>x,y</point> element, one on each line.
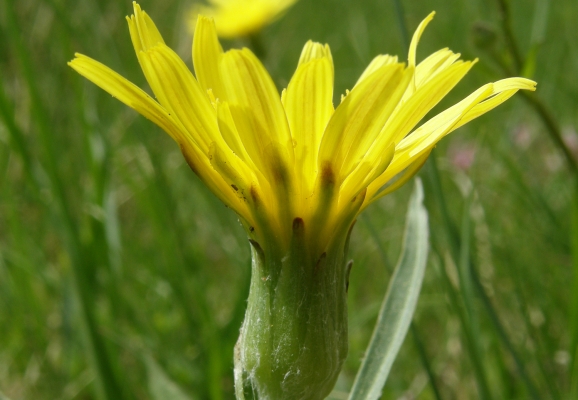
<point>294,337</point>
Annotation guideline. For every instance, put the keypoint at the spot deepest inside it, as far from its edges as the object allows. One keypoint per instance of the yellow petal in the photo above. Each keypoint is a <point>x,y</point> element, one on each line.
<point>372,148</point>
<point>410,112</point>
<point>427,135</point>
<point>434,64</point>
<point>365,173</point>
<point>503,89</point>
<point>360,117</point>
<point>375,64</point>
<point>257,110</point>
<point>136,98</point>
<point>215,182</point>
<point>142,40</point>
<point>207,52</point>
<point>180,93</point>
<point>233,170</point>
<point>415,39</point>
<point>308,102</point>
<point>415,148</point>
<point>230,133</point>
<point>478,103</point>
<point>412,55</point>
<point>128,93</point>
<point>313,51</point>
<point>143,31</point>
<point>373,191</point>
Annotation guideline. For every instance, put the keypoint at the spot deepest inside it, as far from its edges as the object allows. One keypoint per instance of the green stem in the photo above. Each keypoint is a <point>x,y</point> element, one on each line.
<point>511,43</point>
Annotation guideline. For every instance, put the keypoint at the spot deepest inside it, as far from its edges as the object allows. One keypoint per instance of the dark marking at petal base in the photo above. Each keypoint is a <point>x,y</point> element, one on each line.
<point>254,195</point>
<point>347,273</point>
<point>235,188</point>
<point>188,159</point>
<point>298,225</point>
<point>327,174</point>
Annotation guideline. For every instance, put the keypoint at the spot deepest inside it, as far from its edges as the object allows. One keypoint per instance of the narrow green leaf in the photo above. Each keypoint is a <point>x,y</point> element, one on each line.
<point>399,304</point>
<point>418,340</point>
<point>160,385</point>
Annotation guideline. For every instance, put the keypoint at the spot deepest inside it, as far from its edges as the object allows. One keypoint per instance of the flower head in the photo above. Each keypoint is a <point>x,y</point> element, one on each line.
<point>236,18</point>
<point>273,158</point>
<point>297,170</point>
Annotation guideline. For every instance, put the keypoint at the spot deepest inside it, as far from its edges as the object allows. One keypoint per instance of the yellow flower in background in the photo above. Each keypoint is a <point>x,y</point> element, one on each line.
<point>236,18</point>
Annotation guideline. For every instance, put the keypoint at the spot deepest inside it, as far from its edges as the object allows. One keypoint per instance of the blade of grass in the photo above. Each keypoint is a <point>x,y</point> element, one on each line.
<point>512,45</point>
<point>398,306</point>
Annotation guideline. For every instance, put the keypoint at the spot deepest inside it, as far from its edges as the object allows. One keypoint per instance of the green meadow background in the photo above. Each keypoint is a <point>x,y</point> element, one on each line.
<point>122,277</point>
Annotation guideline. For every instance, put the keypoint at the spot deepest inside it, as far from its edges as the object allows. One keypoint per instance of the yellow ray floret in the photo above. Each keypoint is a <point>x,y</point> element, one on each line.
<point>274,157</point>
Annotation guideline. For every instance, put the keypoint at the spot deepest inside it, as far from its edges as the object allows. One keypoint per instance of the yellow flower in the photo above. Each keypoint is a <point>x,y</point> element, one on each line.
<point>273,158</point>
<point>297,171</point>
<point>236,18</point>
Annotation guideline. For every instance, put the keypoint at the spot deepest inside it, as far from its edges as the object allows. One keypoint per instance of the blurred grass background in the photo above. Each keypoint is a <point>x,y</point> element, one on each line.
<point>122,277</point>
